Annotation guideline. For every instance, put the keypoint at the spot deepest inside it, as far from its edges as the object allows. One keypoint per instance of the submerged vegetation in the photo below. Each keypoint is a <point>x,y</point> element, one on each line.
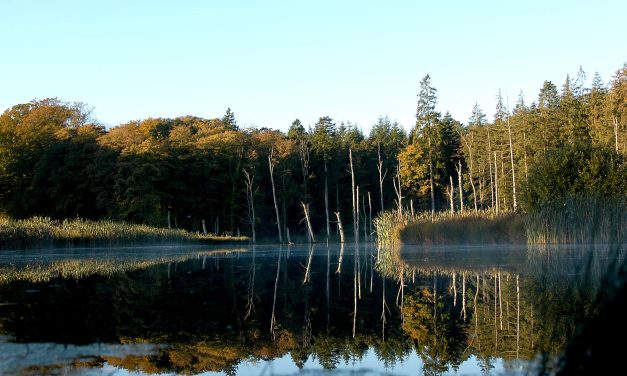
<point>45,232</point>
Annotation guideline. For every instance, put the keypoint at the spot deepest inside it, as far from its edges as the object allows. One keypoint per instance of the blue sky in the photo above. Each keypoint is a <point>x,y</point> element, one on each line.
<point>274,61</point>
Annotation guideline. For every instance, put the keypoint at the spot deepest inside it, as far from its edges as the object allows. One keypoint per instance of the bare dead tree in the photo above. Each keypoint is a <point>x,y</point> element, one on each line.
<point>271,163</point>
<point>355,195</point>
<point>399,193</point>
<point>451,192</point>
<point>458,167</point>
<point>249,180</point>
<point>511,157</point>
<point>382,174</point>
<point>309,228</point>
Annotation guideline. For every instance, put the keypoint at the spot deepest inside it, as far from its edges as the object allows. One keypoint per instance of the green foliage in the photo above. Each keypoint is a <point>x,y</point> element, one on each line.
<point>55,161</point>
<point>571,171</point>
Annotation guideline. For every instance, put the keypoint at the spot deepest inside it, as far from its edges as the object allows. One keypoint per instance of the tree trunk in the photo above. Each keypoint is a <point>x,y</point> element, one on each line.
<point>451,191</point>
<point>326,200</point>
<point>496,184</point>
<point>461,191</point>
<point>276,206</point>
<point>169,223</point>
<point>525,149</point>
<point>355,218</point>
<point>251,204</point>
<point>204,227</point>
<point>399,195</point>
<point>369,214</point>
<point>381,174</point>
<point>357,215</point>
<point>363,210</point>
<point>490,167</point>
<point>431,182</point>
<point>511,156</point>
<point>309,229</point>
<point>615,121</point>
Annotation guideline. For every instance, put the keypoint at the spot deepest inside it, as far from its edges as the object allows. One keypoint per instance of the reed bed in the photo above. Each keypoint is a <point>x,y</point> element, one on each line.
<point>44,232</point>
<point>589,220</point>
<point>469,227</point>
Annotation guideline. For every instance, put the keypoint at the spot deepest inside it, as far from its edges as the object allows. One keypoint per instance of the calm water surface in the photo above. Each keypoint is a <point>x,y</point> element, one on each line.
<point>284,310</point>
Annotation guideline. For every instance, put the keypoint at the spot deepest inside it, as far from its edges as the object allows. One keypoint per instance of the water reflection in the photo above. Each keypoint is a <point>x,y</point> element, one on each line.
<point>445,310</point>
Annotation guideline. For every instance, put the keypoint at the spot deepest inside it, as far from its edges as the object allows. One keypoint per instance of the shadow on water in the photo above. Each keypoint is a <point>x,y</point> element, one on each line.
<point>353,308</point>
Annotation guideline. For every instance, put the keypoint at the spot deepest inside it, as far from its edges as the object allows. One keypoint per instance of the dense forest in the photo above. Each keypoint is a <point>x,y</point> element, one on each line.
<point>212,175</point>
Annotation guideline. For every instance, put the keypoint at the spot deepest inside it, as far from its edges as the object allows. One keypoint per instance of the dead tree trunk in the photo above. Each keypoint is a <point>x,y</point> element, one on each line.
<point>381,174</point>
<point>326,200</point>
<point>363,210</point>
<point>204,227</point>
<point>432,188</point>
<point>451,192</point>
<point>490,166</point>
<point>615,122</point>
<point>309,229</point>
<point>459,182</point>
<point>369,214</point>
<point>496,184</point>
<point>511,157</point>
<point>249,180</point>
<point>399,193</point>
<point>276,206</point>
<point>355,195</point>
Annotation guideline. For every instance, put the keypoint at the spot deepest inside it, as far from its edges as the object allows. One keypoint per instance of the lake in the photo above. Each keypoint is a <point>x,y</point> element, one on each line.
<point>286,310</point>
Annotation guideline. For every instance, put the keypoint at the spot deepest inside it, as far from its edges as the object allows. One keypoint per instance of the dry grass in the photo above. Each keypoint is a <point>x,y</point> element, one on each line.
<point>45,232</point>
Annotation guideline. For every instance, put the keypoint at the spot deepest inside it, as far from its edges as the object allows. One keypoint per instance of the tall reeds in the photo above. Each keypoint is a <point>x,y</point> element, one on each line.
<point>45,232</point>
<point>482,227</point>
<point>579,220</point>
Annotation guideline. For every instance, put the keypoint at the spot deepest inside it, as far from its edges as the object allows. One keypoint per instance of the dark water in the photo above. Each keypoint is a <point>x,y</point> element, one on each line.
<point>270,310</point>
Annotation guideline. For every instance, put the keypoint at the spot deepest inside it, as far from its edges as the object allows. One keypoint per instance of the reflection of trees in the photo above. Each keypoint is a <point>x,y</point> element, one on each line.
<point>201,308</point>
<point>433,322</point>
<point>503,314</point>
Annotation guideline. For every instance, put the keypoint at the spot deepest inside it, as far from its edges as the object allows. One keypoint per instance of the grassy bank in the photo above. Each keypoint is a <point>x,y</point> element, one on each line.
<point>588,220</point>
<point>471,227</point>
<point>45,232</point>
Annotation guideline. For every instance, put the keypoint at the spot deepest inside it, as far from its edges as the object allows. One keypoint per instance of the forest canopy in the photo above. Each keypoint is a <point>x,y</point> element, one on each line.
<point>57,161</point>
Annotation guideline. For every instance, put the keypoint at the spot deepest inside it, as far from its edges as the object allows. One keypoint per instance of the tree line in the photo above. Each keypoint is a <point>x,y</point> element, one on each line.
<point>211,175</point>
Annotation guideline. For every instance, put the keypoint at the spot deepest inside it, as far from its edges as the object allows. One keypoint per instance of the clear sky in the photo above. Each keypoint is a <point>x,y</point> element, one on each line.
<point>274,61</point>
